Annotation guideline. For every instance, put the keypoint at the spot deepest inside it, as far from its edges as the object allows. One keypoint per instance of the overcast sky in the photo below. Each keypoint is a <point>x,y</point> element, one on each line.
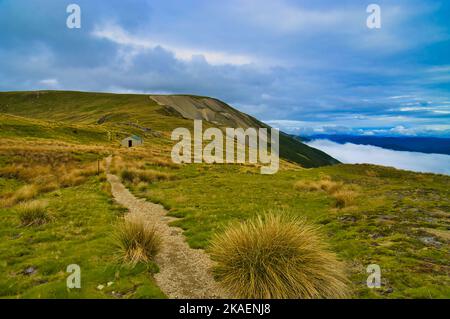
<point>304,66</point>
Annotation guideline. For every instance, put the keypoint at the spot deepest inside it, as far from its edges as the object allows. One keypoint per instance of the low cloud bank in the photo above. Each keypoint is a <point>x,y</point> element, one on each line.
<point>413,161</point>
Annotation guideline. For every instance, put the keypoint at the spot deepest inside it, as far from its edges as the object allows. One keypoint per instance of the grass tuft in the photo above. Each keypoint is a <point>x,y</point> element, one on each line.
<point>324,184</point>
<point>137,240</point>
<point>343,194</point>
<point>71,179</point>
<point>276,256</point>
<point>148,175</point>
<point>128,175</point>
<point>25,193</point>
<point>33,213</point>
<point>344,198</point>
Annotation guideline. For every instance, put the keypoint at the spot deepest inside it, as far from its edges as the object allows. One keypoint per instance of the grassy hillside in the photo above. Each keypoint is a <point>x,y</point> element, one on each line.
<point>12,126</point>
<point>139,113</point>
<point>50,143</point>
<point>81,220</point>
<point>396,219</point>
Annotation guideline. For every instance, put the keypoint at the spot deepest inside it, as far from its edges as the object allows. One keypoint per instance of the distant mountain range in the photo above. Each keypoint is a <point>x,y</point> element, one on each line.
<point>412,144</point>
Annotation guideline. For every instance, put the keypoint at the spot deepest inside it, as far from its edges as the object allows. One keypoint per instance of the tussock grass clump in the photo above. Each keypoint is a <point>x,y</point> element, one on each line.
<point>325,184</point>
<point>91,170</point>
<point>344,198</point>
<point>49,187</point>
<point>164,162</point>
<point>71,179</point>
<point>142,186</point>
<point>137,240</point>
<point>128,175</point>
<point>117,165</point>
<point>148,175</point>
<point>102,178</point>
<point>306,185</point>
<point>13,171</point>
<point>106,187</point>
<point>153,176</point>
<point>33,213</point>
<point>343,194</point>
<point>25,193</point>
<point>330,186</point>
<point>276,256</point>
<point>371,173</point>
<point>45,179</point>
<point>6,202</point>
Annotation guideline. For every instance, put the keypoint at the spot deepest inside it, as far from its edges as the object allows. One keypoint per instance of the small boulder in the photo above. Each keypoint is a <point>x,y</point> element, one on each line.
<point>30,271</point>
<point>428,240</point>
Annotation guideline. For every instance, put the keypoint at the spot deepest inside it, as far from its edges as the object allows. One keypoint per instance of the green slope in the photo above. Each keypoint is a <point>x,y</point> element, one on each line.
<point>397,219</point>
<point>131,113</point>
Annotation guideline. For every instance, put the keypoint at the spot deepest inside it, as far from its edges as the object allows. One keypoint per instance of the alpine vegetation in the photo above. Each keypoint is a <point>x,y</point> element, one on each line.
<point>276,256</point>
<point>137,240</point>
<point>235,146</point>
<point>33,213</point>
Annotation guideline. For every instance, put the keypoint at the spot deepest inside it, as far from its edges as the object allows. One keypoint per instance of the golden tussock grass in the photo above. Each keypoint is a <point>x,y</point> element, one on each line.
<point>344,198</point>
<point>343,194</point>
<point>43,179</point>
<point>139,160</point>
<point>117,164</point>
<point>324,184</point>
<point>45,167</point>
<point>137,240</point>
<point>371,173</point>
<point>164,162</point>
<point>277,256</point>
<point>12,171</point>
<point>27,173</point>
<point>33,213</point>
<point>102,177</point>
<point>48,187</point>
<point>6,202</point>
<point>304,185</point>
<point>106,187</point>
<point>77,176</point>
<point>48,167</point>
<point>71,179</point>
<point>91,170</point>
<point>141,186</point>
<point>147,175</point>
<point>25,193</point>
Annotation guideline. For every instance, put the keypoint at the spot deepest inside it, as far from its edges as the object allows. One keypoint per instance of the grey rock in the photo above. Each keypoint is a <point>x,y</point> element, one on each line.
<point>30,271</point>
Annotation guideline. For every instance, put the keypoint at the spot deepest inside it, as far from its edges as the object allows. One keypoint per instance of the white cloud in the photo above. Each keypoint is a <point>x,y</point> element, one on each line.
<point>355,125</point>
<point>49,82</point>
<point>119,36</point>
<point>441,112</point>
<point>439,69</point>
<point>277,15</point>
<point>413,161</point>
<point>397,97</point>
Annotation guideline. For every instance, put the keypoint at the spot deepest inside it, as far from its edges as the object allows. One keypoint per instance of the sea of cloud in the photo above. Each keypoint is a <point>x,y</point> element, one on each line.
<point>413,161</point>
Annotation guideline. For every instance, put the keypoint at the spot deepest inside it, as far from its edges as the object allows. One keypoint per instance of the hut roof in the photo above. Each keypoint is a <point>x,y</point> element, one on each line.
<point>134,137</point>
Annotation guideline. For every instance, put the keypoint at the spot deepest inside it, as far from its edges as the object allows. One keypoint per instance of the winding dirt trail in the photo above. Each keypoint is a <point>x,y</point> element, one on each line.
<point>184,272</point>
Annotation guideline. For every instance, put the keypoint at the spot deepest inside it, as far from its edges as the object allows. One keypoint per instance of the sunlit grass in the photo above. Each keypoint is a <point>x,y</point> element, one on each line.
<point>277,256</point>
<point>33,213</point>
<point>137,240</point>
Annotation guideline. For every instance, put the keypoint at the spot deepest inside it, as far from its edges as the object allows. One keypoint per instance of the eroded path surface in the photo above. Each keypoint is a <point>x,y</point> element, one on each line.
<point>184,272</point>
